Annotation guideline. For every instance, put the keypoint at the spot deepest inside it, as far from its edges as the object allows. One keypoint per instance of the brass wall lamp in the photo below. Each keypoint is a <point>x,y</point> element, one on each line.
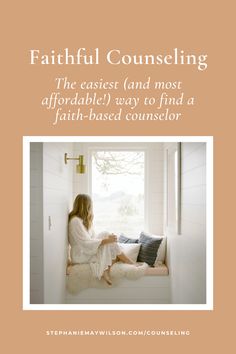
<point>80,167</point>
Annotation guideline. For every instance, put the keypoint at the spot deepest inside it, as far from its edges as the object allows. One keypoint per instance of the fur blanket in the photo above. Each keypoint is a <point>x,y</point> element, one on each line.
<point>80,276</point>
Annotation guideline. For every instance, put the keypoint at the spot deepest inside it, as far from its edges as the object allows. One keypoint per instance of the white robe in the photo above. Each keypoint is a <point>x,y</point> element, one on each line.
<point>87,248</point>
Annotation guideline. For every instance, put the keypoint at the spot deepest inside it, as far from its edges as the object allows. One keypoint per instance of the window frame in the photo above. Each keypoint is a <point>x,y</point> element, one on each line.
<point>115,147</point>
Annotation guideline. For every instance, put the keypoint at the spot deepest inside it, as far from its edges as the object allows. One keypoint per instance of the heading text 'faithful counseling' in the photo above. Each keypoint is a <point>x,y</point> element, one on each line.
<point>82,56</point>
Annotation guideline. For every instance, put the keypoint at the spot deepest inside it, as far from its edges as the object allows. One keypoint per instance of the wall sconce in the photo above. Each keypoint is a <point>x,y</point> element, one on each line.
<point>80,167</point>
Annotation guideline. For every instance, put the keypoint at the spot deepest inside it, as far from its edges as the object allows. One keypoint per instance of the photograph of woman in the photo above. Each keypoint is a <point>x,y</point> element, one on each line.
<point>113,228</point>
<point>99,251</point>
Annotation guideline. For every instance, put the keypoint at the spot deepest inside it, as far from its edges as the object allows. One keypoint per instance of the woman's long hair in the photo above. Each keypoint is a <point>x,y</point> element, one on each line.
<point>83,208</point>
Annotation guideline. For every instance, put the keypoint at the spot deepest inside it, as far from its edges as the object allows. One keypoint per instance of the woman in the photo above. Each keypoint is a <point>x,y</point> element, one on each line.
<point>99,252</point>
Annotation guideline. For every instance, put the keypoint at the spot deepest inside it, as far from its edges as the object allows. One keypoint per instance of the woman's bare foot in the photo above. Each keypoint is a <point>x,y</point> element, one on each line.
<point>106,277</point>
<point>68,267</point>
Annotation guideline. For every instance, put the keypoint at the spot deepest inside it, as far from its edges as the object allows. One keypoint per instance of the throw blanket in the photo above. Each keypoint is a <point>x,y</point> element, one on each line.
<point>80,276</point>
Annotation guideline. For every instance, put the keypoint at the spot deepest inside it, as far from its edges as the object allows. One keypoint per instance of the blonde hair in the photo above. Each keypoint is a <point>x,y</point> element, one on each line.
<point>83,208</point>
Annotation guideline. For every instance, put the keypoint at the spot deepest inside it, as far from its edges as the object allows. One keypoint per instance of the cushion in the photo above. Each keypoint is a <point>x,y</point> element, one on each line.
<point>160,270</point>
<point>148,249</point>
<point>125,239</point>
<point>131,250</point>
<point>161,253</point>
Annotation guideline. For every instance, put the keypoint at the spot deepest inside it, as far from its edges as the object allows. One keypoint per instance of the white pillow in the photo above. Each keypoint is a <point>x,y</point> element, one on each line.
<point>131,250</point>
<point>161,253</point>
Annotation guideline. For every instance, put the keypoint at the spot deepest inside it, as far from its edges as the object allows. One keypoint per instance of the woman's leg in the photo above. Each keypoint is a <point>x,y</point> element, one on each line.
<point>120,257</point>
<point>123,258</point>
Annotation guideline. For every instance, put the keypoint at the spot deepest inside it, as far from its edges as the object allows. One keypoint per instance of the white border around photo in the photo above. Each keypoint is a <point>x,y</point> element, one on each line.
<point>26,217</point>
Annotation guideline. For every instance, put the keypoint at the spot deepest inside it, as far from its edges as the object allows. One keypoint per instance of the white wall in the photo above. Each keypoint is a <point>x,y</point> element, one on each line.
<point>154,178</point>
<point>155,192</point>
<point>36,223</point>
<point>187,252</point>
<point>50,197</point>
<point>57,201</point>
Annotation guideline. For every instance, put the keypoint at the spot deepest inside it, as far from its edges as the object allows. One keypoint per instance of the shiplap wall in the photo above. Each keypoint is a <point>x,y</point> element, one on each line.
<point>154,178</point>
<point>57,201</point>
<point>50,202</point>
<point>187,251</point>
<point>155,192</point>
<point>36,223</point>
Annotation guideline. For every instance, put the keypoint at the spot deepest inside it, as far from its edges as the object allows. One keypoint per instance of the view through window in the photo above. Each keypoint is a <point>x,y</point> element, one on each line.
<point>118,191</point>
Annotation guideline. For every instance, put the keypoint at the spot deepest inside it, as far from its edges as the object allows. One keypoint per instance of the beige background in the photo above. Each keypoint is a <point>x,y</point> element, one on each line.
<point>137,26</point>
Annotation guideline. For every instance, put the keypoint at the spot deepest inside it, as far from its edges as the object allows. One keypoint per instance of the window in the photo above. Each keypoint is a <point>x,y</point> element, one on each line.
<point>117,185</point>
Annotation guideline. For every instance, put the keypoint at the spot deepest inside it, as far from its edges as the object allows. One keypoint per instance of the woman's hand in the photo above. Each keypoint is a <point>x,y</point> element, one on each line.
<point>110,239</point>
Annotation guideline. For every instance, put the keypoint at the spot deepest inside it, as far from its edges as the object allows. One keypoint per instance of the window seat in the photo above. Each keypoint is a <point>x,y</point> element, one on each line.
<point>152,288</point>
<point>159,270</point>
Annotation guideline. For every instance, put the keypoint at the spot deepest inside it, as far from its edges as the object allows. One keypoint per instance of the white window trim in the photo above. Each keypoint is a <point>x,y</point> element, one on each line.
<point>116,147</point>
